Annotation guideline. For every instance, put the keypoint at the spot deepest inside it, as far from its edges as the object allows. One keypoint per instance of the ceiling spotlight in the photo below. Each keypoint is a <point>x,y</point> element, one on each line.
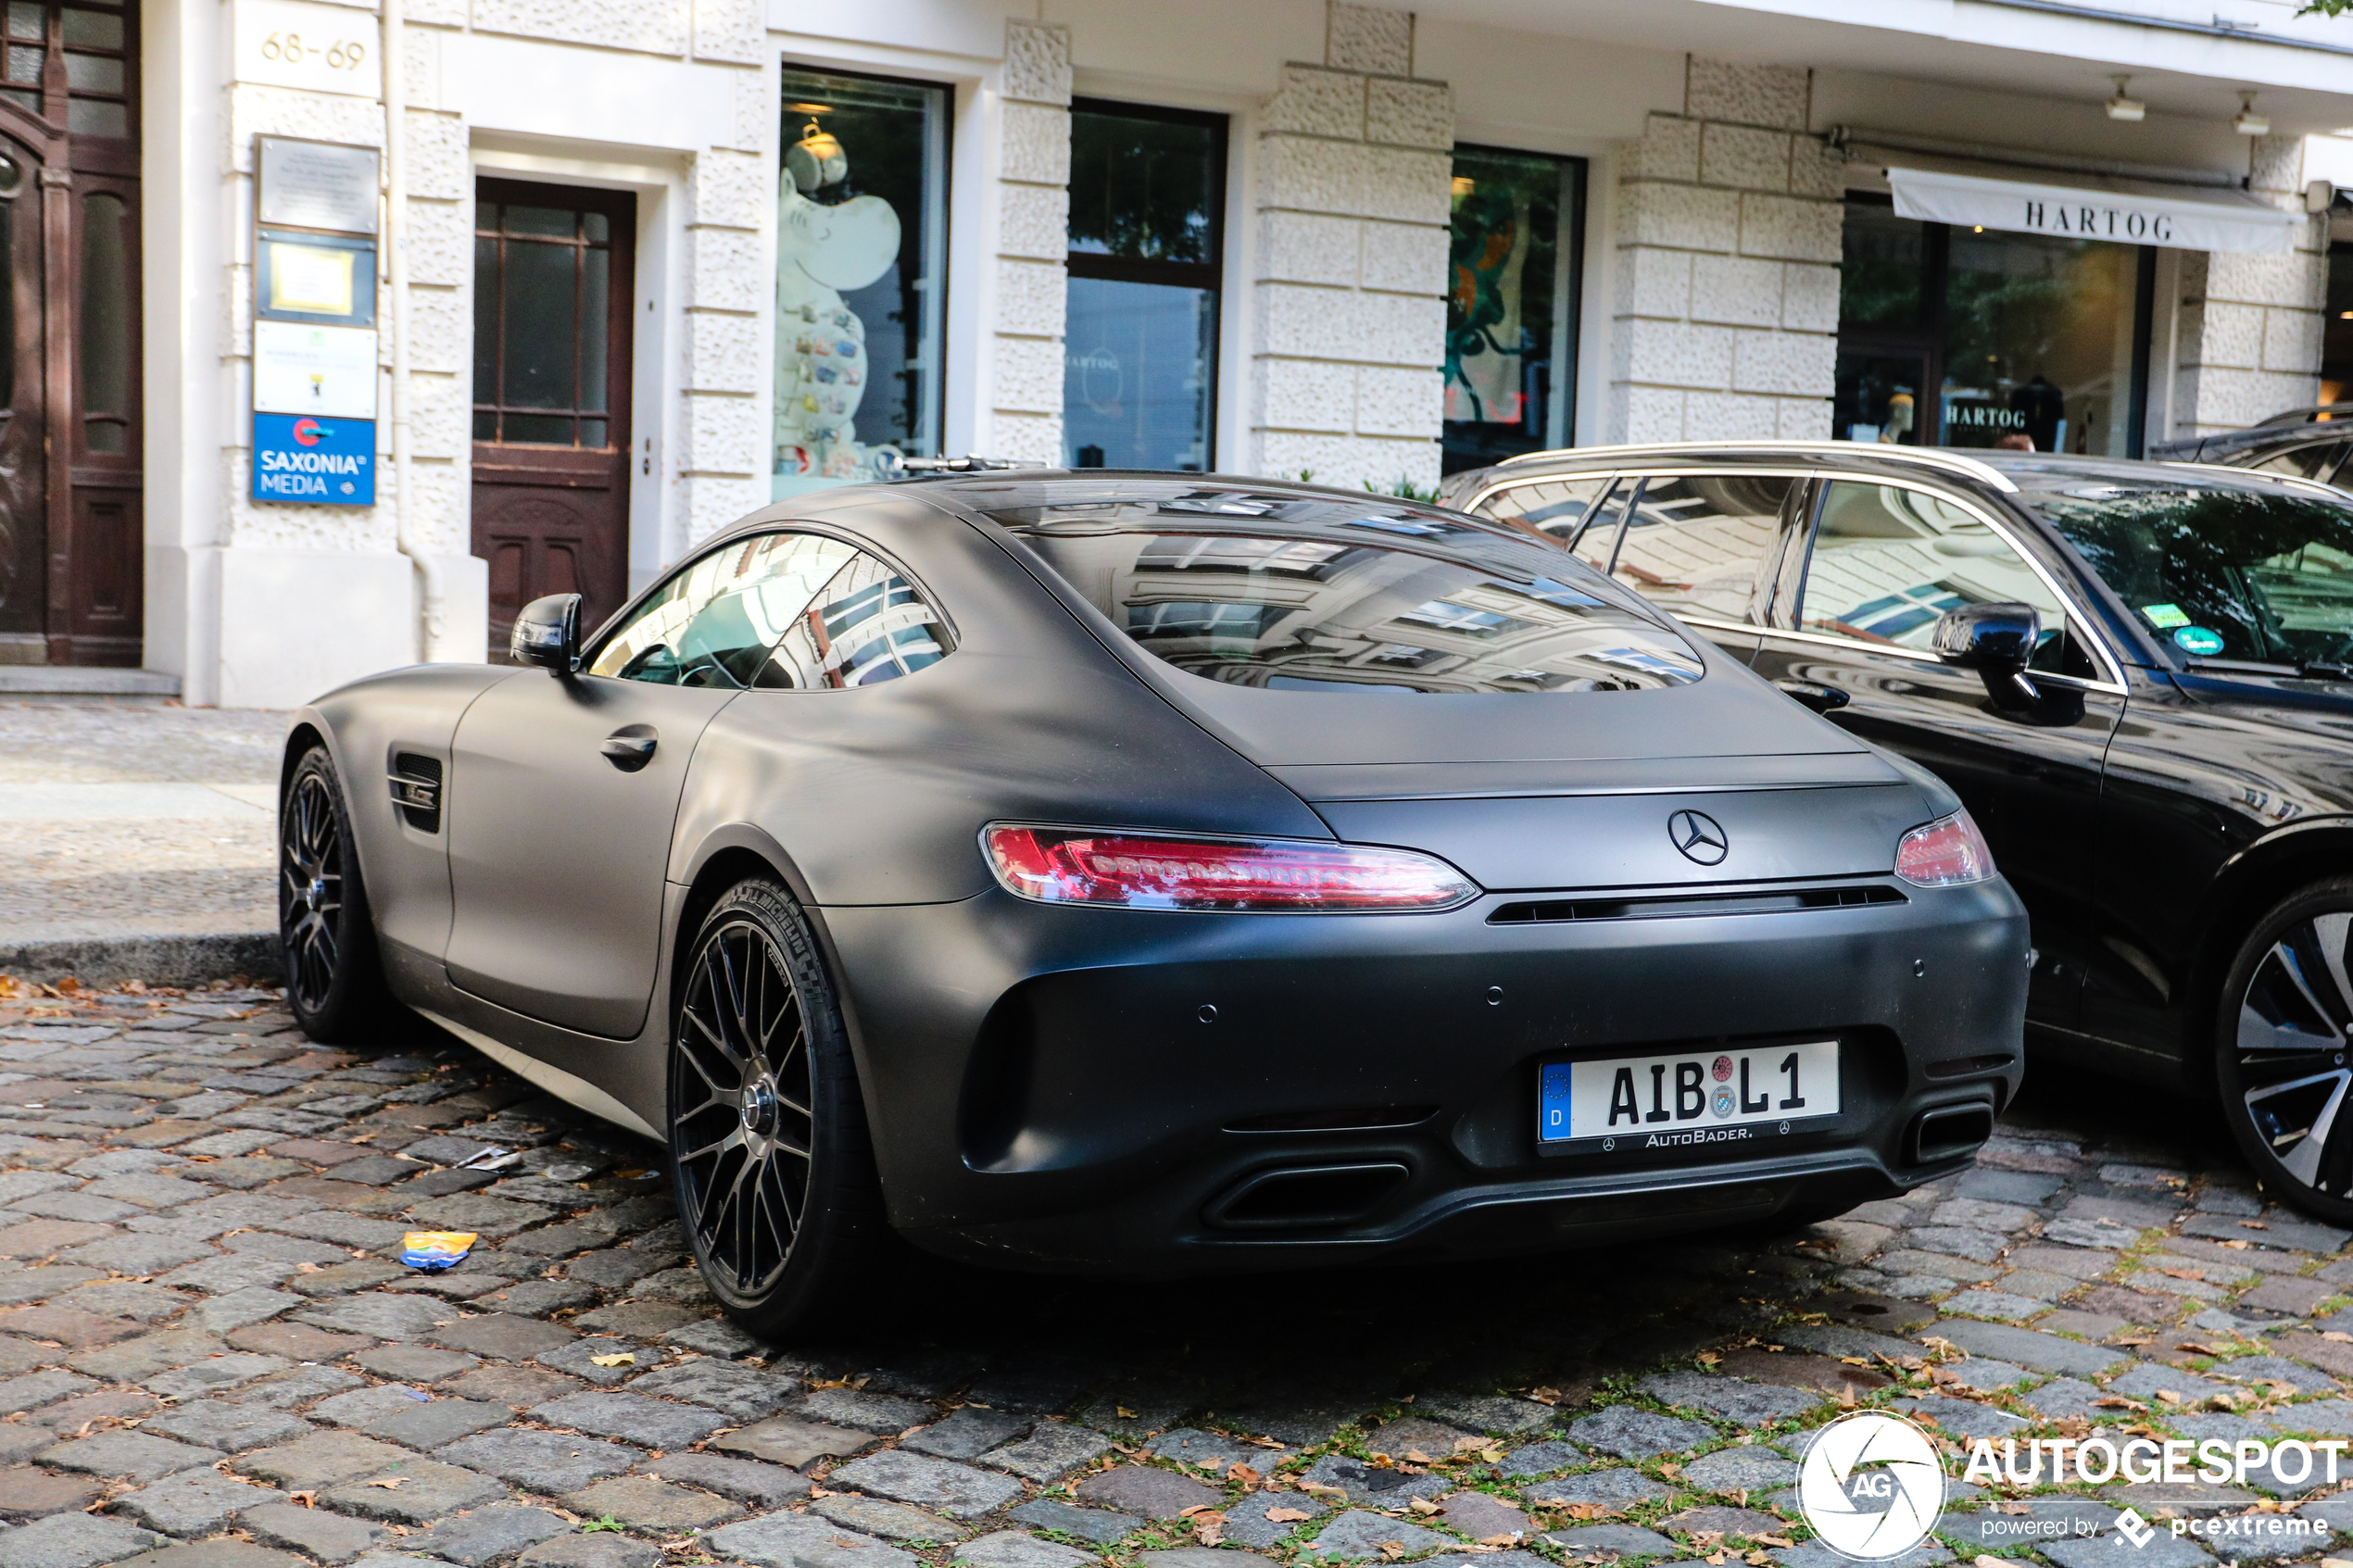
<point>2248,122</point>
<point>2123,106</point>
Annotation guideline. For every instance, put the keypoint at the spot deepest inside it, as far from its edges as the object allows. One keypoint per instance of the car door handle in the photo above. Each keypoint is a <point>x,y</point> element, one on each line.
<point>1821,699</point>
<point>631,747</point>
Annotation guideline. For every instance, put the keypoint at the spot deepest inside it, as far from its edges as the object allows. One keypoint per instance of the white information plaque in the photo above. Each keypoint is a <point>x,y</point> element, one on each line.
<point>328,371</point>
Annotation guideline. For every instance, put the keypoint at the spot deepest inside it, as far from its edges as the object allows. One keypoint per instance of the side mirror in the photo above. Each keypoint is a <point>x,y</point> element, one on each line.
<point>547,633</point>
<point>1997,641</point>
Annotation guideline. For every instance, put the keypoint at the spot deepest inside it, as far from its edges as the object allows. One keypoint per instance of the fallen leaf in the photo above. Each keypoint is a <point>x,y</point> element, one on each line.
<point>1782,1541</point>
<point>1287,1515</point>
<point>2137,1339</point>
<point>629,1358</point>
<point>1125,1413</point>
<point>2339,1334</point>
<point>307,1500</point>
<point>1985,1561</point>
<point>2237,1246</point>
<point>2197,1349</point>
<point>1210,1528</point>
<point>1421,1505</point>
<point>1391,1549</point>
<point>1546,1396</point>
<point>1709,1357</point>
<point>1242,1473</point>
<point>1855,1360</point>
<point>2118,1402</point>
<point>1714,1559</point>
<point>1417,1457</point>
<point>2183,1273</point>
<point>2253,1226</point>
<point>389,1481</point>
<point>1583,1511</point>
<point>1504,1538</point>
<point>1319,1489</point>
<point>1207,1508</point>
<point>1670,1468</point>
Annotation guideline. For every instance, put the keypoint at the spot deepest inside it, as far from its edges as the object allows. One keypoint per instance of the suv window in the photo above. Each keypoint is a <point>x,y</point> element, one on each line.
<point>2314,459</point>
<point>1690,544</point>
<point>1887,560</point>
<point>773,611</point>
<point>1549,506</point>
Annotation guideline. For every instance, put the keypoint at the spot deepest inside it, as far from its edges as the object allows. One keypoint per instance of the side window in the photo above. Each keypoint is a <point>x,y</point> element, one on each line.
<point>1690,544</point>
<point>1887,561</point>
<point>1549,505</point>
<point>2314,459</point>
<point>865,625</point>
<point>733,617</point>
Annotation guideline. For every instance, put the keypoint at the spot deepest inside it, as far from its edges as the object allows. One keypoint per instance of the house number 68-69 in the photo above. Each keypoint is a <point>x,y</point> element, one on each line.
<point>342,55</point>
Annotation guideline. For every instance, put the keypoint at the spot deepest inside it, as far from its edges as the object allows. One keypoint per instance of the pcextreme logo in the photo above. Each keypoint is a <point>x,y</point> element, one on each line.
<point>1873,1486</point>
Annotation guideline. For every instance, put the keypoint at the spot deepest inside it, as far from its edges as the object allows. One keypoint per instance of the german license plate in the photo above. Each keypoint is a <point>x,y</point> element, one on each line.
<point>1700,1097</point>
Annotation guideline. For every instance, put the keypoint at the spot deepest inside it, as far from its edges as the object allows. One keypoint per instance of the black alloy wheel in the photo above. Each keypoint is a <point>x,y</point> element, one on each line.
<point>334,977</point>
<point>769,1149</point>
<point>2281,1052</point>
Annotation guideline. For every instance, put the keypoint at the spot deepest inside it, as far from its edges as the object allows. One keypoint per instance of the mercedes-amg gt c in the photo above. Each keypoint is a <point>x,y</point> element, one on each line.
<point>1154,873</point>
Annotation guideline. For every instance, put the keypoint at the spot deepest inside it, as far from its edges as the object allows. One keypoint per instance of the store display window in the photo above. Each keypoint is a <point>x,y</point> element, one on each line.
<point>1147,241</point>
<point>1513,262</point>
<point>861,250</point>
<point>1952,336</point>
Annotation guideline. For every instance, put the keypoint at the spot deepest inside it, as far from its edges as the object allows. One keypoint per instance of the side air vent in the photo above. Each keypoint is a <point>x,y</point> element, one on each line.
<point>416,789</point>
<point>1678,906</point>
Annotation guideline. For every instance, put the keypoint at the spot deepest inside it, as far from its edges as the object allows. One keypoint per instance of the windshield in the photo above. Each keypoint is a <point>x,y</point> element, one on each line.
<point>1386,599</point>
<point>2220,572</point>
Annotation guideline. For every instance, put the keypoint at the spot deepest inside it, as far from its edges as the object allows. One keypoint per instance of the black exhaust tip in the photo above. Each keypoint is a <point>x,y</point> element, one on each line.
<point>1949,1131</point>
<point>1322,1195</point>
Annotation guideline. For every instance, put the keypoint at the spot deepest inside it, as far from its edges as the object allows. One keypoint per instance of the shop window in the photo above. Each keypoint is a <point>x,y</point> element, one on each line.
<point>1147,241</point>
<point>1511,304</point>
<point>861,277</point>
<point>1952,336</point>
<point>2336,335</point>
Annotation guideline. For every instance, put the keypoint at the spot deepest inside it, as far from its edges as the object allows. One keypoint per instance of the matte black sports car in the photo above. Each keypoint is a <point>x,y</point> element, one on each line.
<point>2137,676</point>
<point>1152,873</point>
<point>2303,444</point>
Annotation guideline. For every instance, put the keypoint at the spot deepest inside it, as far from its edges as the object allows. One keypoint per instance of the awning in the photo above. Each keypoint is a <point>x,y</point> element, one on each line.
<point>2096,207</point>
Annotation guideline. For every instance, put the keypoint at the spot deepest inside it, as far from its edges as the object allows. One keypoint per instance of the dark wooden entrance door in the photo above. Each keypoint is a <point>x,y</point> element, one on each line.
<point>553,282</point>
<point>24,477</point>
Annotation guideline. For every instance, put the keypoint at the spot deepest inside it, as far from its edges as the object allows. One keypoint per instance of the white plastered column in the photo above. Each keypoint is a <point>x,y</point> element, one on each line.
<point>1725,320</point>
<point>1033,241</point>
<point>1356,166</point>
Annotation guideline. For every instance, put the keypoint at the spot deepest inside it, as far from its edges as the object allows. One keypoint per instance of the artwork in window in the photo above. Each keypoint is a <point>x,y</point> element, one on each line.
<point>861,232</point>
<point>1511,304</point>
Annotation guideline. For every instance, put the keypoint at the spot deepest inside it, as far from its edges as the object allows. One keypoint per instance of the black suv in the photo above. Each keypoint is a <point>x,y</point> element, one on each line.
<point>2303,444</point>
<point>2137,676</point>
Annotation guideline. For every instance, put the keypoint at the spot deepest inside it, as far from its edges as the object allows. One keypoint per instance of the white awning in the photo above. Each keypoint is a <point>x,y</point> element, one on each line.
<point>2093,208</point>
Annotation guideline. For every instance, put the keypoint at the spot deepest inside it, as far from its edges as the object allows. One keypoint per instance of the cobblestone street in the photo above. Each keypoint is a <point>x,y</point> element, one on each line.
<point>212,1357</point>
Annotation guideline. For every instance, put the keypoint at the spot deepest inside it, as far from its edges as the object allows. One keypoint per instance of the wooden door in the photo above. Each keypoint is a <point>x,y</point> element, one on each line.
<point>553,283</point>
<point>24,477</point>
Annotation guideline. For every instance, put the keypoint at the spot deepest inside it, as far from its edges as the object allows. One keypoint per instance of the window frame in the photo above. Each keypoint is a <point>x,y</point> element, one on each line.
<point>1568,296</point>
<point>627,614</point>
<point>1209,276</point>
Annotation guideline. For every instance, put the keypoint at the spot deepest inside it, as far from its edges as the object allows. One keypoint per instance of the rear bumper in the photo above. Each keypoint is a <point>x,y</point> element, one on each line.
<point>1047,1091</point>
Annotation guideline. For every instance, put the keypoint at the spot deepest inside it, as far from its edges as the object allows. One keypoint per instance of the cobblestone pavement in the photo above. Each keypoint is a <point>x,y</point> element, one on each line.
<point>210,1357</point>
<point>134,817</point>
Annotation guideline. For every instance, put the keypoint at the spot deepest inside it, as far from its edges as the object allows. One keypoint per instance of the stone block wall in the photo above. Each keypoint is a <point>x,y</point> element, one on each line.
<point>1033,224</point>
<point>1355,166</point>
<point>2249,331</point>
<point>1726,310</point>
<point>717,464</point>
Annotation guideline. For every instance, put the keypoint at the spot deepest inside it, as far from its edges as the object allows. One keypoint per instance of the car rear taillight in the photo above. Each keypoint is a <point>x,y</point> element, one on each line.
<point>1091,866</point>
<point>1945,853</point>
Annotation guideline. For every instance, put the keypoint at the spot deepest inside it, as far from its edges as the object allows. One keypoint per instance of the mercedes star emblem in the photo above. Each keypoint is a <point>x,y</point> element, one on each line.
<point>1696,835</point>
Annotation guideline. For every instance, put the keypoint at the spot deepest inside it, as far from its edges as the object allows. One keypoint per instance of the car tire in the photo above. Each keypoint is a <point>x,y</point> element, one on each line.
<point>326,940</point>
<point>771,1159</point>
<point>2280,1050</point>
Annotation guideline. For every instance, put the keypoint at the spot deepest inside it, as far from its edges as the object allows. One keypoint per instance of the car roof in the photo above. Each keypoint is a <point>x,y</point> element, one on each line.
<point>2009,473</point>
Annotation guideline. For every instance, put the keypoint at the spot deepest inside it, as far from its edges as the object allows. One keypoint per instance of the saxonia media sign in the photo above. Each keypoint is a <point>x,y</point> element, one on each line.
<point>314,327</point>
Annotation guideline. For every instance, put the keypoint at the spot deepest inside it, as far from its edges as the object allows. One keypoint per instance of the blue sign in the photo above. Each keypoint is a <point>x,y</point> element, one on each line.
<point>303,458</point>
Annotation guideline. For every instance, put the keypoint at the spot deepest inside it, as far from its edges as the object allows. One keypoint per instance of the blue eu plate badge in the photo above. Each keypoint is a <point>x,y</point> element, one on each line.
<point>323,461</point>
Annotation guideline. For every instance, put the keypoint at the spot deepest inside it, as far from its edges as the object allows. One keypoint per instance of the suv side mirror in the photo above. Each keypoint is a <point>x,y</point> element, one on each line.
<point>1995,640</point>
<point>547,633</point>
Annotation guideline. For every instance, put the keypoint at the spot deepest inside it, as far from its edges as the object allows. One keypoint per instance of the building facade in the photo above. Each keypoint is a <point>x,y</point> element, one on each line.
<point>339,332</point>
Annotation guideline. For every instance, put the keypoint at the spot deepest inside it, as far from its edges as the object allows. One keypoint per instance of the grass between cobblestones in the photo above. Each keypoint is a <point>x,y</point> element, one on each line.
<point>211,1358</point>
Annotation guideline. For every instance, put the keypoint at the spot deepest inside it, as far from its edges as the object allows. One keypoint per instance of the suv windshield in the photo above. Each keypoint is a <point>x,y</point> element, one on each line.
<point>2260,575</point>
<point>1306,594</point>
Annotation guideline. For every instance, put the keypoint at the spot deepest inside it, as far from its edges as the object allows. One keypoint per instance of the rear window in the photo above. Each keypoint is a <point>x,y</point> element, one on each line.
<point>1307,594</point>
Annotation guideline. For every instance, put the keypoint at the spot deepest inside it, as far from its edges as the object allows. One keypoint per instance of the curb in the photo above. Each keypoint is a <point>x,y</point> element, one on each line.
<point>158,960</point>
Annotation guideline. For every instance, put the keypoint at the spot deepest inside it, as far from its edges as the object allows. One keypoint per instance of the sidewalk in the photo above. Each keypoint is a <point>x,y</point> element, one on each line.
<point>135,839</point>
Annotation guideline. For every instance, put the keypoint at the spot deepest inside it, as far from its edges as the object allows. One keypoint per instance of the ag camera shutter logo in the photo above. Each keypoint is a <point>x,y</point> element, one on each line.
<point>1872,1486</point>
